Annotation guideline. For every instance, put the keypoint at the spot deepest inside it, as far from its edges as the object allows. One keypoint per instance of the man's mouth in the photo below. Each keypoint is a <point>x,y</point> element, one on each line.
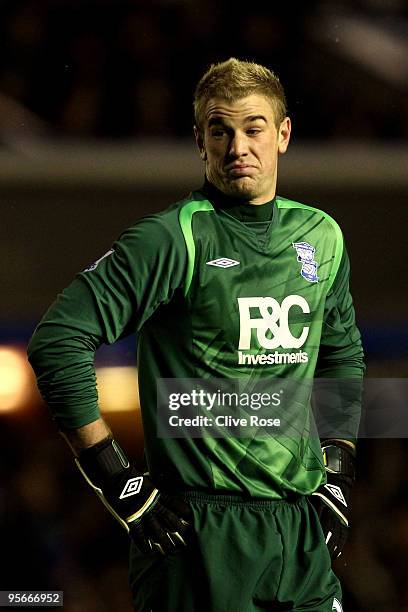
<point>240,170</point>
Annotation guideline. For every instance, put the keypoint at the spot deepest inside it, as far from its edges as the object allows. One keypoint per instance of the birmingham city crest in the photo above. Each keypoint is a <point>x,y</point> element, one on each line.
<point>305,256</point>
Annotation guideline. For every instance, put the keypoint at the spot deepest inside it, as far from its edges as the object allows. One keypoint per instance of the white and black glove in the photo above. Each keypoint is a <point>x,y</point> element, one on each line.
<point>332,500</point>
<point>153,520</point>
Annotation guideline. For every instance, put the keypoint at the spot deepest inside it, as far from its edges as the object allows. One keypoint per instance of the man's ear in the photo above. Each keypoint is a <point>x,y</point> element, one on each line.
<point>200,143</point>
<point>284,135</point>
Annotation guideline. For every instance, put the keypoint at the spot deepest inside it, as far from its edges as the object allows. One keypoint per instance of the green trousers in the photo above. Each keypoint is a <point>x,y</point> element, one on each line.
<point>241,557</point>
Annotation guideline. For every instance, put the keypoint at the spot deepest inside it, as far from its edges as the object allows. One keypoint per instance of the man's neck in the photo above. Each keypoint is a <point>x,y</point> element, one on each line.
<point>241,209</point>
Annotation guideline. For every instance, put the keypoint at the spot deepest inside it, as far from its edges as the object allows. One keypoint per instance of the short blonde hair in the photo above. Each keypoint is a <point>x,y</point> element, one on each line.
<point>235,79</point>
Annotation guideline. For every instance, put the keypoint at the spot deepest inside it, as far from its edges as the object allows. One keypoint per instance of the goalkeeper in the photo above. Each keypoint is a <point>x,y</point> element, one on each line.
<point>233,282</point>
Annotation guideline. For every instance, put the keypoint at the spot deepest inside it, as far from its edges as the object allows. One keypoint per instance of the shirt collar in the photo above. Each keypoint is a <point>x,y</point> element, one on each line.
<point>237,208</point>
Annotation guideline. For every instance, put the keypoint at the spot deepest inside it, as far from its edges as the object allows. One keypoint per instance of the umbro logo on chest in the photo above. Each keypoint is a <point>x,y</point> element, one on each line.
<point>223,262</point>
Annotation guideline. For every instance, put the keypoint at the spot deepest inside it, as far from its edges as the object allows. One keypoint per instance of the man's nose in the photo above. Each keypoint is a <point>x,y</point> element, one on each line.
<point>238,145</point>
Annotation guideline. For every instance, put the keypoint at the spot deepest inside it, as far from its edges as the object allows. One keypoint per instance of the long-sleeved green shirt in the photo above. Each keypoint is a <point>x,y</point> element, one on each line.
<point>211,296</point>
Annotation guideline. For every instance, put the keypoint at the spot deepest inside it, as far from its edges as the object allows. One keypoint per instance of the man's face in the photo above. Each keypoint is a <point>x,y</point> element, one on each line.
<point>240,145</point>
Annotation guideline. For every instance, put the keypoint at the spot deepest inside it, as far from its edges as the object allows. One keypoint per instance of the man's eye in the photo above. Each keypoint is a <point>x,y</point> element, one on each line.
<point>253,131</point>
<point>218,133</point>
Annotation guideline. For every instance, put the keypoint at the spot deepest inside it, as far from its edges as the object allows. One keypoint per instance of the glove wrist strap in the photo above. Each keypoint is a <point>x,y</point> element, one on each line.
<point>338,460</point>
<point>103,461</point>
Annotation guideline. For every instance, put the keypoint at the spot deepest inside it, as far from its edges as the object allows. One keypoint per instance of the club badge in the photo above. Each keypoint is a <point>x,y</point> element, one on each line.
<point>305,256</point>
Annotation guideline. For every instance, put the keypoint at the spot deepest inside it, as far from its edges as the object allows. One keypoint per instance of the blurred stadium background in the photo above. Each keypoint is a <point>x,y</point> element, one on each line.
<point>95,131</point>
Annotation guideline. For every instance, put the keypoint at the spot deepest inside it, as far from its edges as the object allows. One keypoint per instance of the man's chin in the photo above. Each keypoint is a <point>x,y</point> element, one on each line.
<point>242,188</point>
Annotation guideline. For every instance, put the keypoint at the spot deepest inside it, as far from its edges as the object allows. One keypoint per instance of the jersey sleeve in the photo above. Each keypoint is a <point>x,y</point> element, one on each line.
<point>110,300</point>
<point>340,366</point>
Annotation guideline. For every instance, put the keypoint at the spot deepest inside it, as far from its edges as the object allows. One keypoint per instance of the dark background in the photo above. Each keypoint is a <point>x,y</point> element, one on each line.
<point>95,131</point>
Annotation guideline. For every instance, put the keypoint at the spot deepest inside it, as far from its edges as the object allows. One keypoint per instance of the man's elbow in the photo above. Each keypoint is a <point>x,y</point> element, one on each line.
<point>34,348</point>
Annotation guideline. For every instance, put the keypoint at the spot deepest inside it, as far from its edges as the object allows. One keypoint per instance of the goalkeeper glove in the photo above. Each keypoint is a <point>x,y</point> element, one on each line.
<point>153,520</point>
<point>332,500</point>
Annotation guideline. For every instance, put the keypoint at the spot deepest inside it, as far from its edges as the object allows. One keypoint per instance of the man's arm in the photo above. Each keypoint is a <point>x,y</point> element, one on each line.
<point>337,404</point>
<point>340,365</point>
<point>106,302</point>
<point>103,304</point>
<point>86,436</point>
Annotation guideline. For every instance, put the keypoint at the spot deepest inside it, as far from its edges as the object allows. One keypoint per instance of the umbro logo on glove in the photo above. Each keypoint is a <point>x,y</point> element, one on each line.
<point>132,487</point>
<point>336,492</point>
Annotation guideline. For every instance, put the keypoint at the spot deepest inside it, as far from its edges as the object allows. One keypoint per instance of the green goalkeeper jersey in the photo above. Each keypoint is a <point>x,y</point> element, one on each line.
<point>210,298</point>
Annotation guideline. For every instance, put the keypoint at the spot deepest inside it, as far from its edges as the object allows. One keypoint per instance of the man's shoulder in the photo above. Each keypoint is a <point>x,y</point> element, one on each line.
<point>194,202</point>
<point>319,230</point>
<point>286,203</point>
<point>170,216</point>
<point>169,225</point>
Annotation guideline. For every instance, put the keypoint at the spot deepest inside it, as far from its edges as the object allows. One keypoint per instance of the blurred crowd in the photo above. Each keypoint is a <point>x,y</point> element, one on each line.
<point>55,534</point>
<point>125,69</point>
